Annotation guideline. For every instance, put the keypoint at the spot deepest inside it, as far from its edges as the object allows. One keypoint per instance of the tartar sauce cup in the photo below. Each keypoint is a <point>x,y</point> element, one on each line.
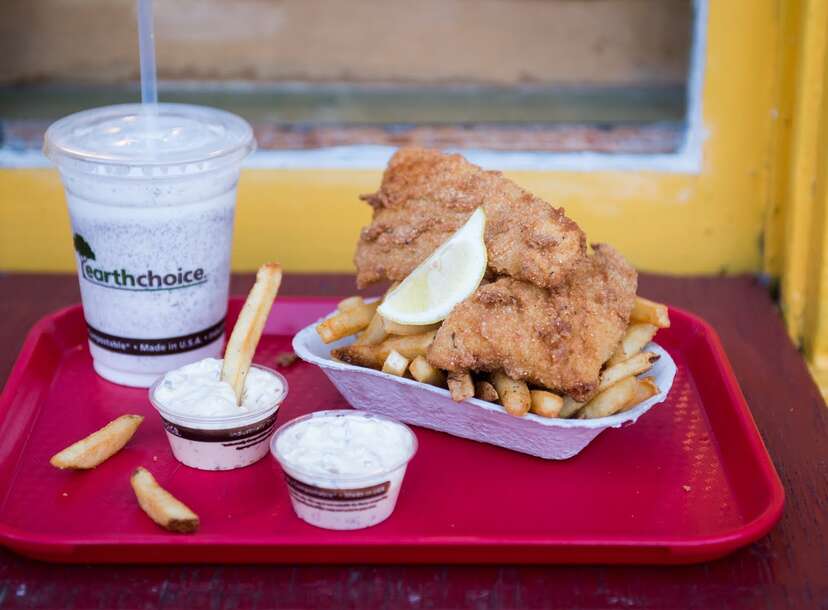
<point>325,494</point>
<point>221,442</point>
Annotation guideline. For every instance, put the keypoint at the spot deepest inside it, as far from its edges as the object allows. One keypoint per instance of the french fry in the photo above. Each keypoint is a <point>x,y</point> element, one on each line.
<point>514,394</point>
<point>346,323</point>
<point>484,390</point>
<point>460,385</point>
<point>248,330</point>
<point>636,337</point>
<point>350,303</point>
<point>423,372</point>
<point>374,333</point>
<point>369,356</point>
<point>392,328</point>
<point>545,404</point>
<point>636,365</point>
<point>570,407</point>
<point>650,312</point>
<point>645,388</point>
<point>373,356</point>
<point>160,505</point>
<point>98,446</point>
<point>395,364</point>
<point>612,400</point>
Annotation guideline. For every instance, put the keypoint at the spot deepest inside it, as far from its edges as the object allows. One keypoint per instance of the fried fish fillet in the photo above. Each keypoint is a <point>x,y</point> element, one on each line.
<point>426,196</point>
<point>557,339</point>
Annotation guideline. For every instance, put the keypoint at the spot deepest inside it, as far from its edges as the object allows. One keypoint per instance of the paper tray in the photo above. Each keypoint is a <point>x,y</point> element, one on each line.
<point>420,404</point>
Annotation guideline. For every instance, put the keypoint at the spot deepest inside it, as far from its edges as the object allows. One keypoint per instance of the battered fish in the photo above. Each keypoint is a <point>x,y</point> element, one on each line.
<point>556,339</point>
<point>426,196</point>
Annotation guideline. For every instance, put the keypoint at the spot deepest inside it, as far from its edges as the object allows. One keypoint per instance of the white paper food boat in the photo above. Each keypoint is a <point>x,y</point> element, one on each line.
<point>424,405</point>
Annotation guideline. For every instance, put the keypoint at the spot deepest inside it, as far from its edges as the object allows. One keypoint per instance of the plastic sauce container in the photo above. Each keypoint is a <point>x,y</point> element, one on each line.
<point>221,442</point>
<point>343,468</point>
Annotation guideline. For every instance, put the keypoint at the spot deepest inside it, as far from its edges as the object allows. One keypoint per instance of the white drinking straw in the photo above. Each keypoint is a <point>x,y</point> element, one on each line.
<point>146,49</point>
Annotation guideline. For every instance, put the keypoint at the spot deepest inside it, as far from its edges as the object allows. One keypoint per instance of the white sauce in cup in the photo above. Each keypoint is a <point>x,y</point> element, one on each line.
<point>343,468</point>
<point>198,390</point>
<point>351,445</point>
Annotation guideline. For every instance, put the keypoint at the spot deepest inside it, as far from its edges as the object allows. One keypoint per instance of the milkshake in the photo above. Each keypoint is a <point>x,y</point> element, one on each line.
<point>151,200</point>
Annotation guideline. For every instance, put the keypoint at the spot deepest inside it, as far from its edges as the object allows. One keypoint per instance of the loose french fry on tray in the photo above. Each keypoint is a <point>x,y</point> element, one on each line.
<point>570,407</point>
<point>346,323</point>
<point>395,364</point>
<point>98,446</point>
<point>373,356</point>
<point>160,505</point>
<point>612,400</point>
<point>392,328</point>
<point>460,384</point>
<point>645,388</point>
<point>350,303</point>
<point>650,312</point>
<point>248,329</point>
<point>636,365</point>
<point>545,404</point>
<point>484,390</point>
<point>423,372</point>
<point>634,340</point>
<point>514,394</point>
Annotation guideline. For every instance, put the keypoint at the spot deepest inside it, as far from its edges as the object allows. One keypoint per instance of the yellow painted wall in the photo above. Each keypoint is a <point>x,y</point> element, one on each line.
<point>678,223</point>
<point>798,225</point>
<point>310,220</point>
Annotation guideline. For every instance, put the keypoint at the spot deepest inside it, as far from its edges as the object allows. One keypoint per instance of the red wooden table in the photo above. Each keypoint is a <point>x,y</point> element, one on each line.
<point>787,569</point>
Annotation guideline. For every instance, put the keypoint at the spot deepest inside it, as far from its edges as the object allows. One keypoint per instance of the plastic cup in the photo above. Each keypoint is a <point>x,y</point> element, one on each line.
<point>337,501</point>
<point>220,443</point>
<point>152,202</point>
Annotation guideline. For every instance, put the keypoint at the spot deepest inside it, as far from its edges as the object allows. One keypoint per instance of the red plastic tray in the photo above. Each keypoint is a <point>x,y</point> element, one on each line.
<point>689,482</point>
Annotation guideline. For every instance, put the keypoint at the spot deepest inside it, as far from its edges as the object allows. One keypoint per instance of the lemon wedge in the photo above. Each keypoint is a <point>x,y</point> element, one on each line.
<point>451,274</point>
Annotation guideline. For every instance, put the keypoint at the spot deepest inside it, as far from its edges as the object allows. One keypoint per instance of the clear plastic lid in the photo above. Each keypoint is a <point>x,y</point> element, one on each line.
<point>180,138</point>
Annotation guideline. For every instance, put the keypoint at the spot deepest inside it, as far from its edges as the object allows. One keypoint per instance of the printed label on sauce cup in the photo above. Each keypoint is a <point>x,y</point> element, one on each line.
<point>362,498</point>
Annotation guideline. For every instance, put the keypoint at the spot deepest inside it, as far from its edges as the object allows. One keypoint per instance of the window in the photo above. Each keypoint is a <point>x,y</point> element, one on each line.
<point>340,83</point>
